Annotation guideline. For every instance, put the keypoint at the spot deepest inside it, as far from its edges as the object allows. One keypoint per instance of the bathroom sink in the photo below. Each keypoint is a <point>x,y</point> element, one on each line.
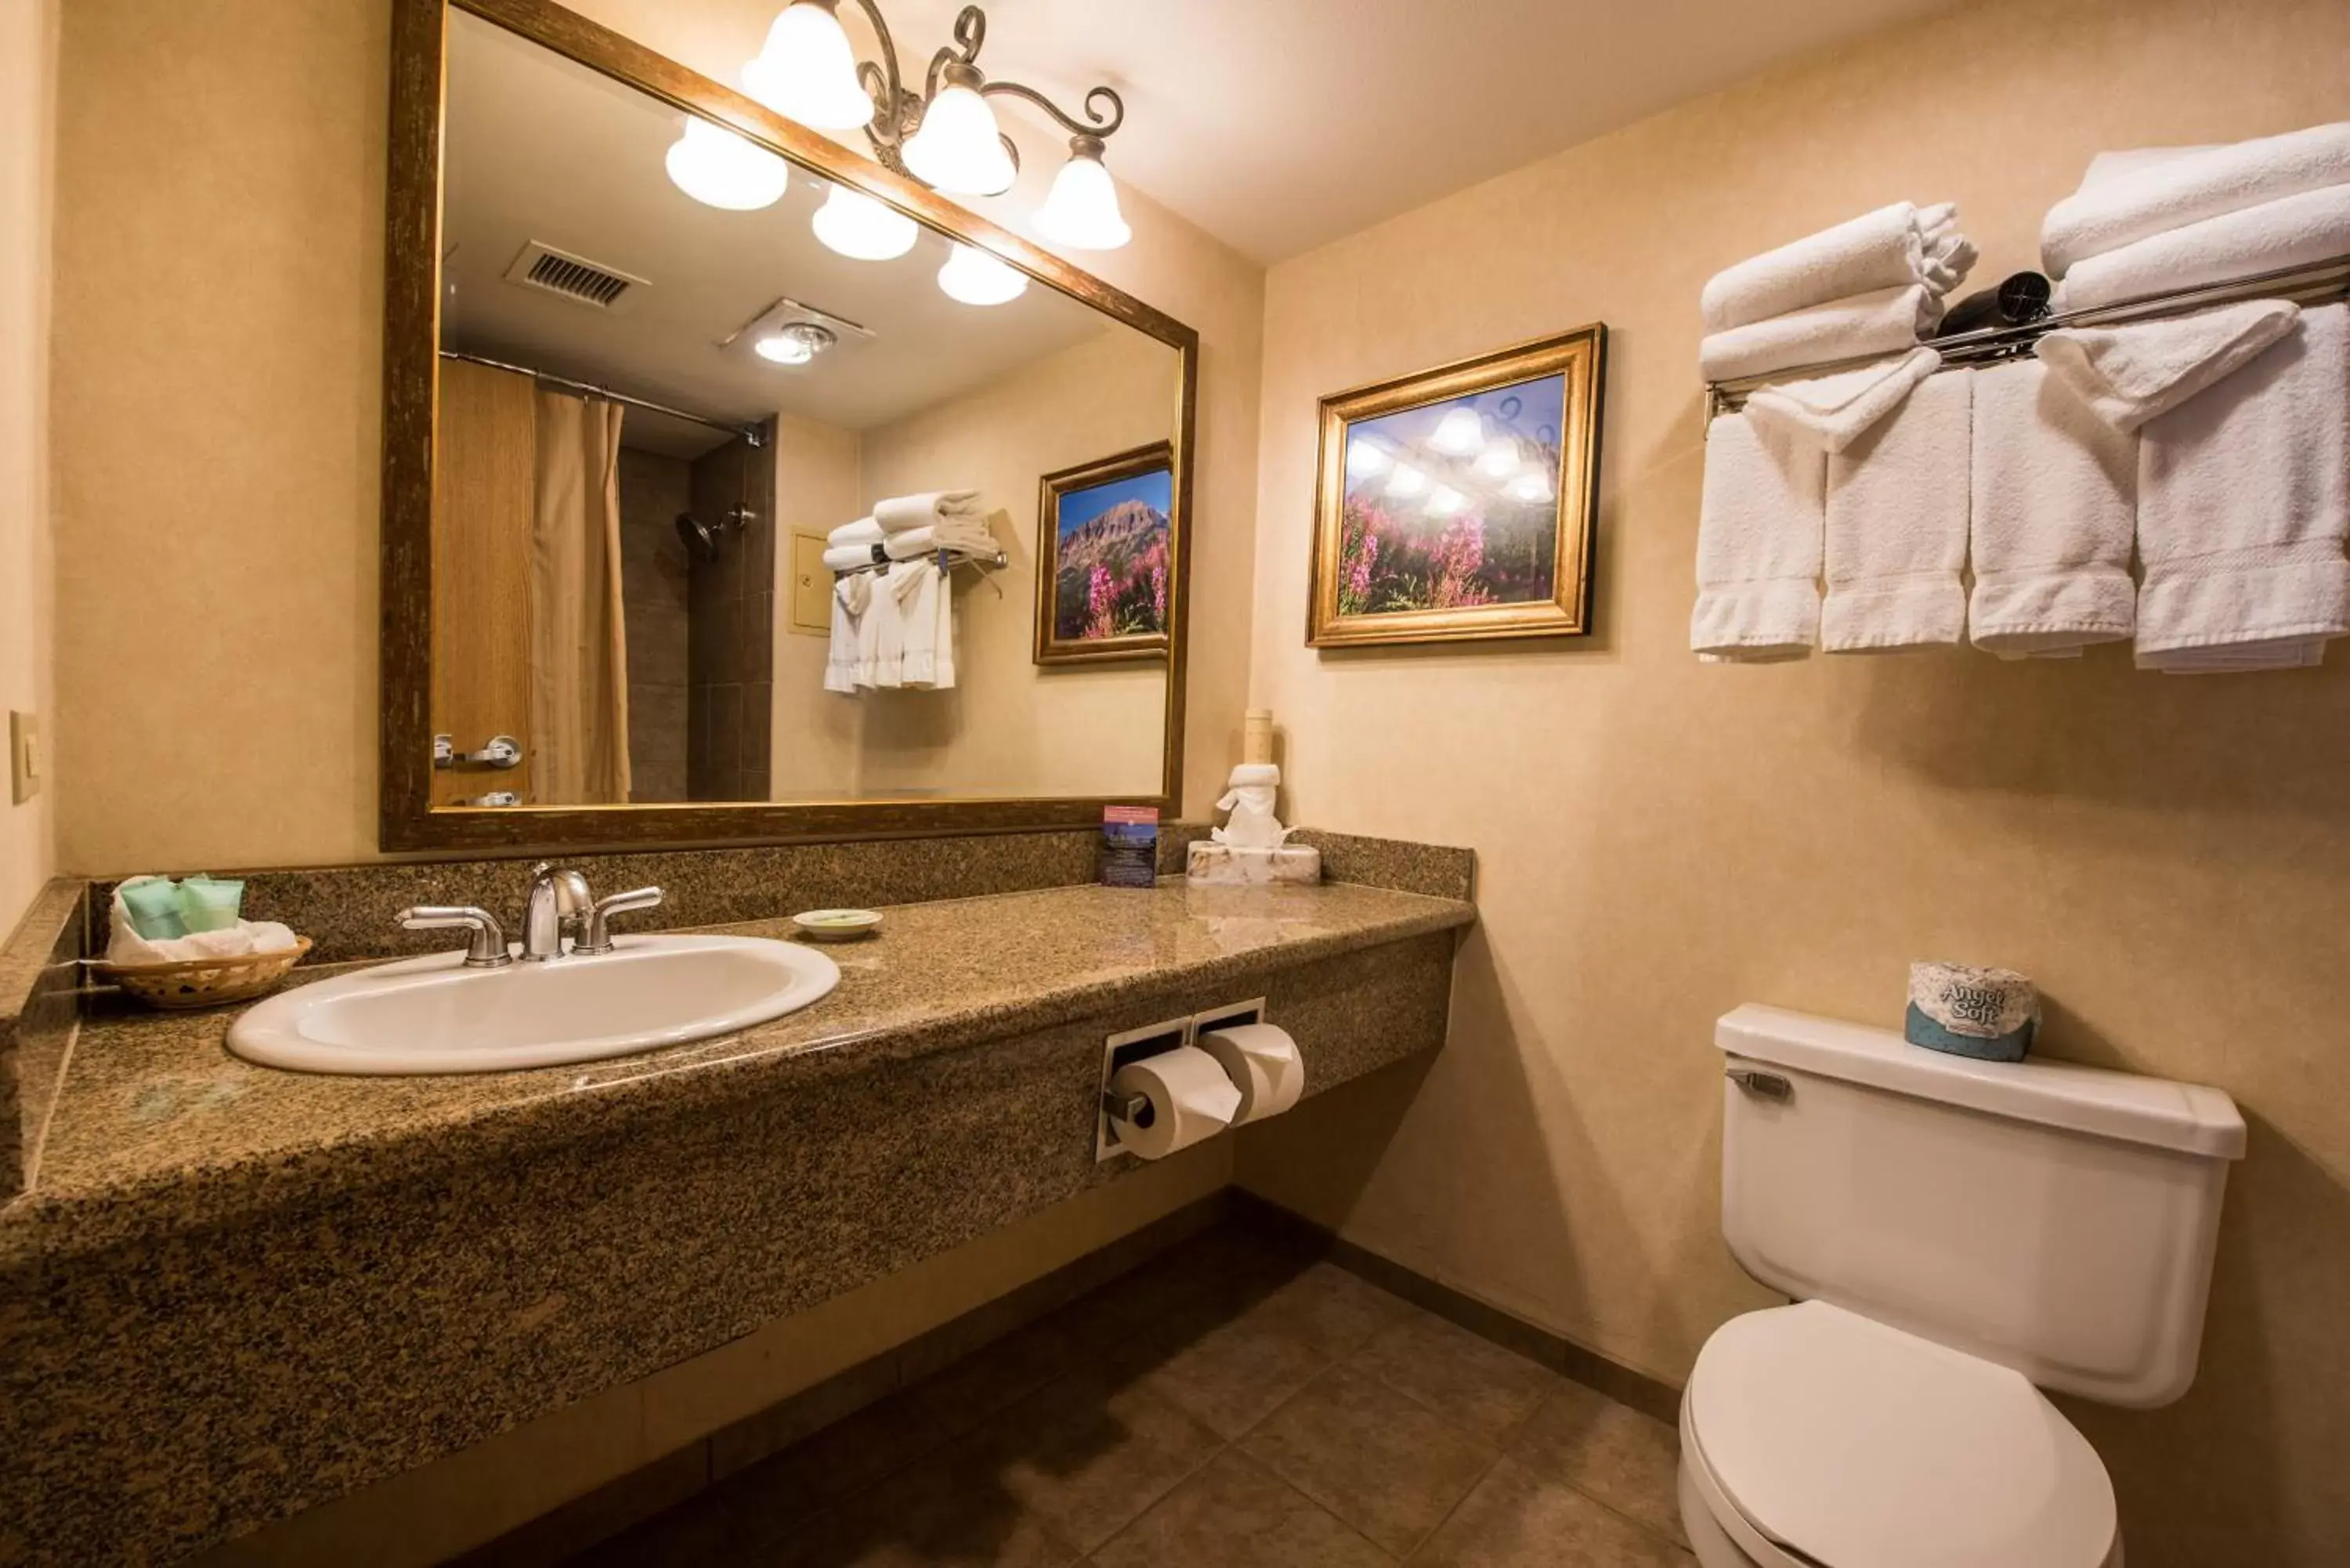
<point>436,1015</point>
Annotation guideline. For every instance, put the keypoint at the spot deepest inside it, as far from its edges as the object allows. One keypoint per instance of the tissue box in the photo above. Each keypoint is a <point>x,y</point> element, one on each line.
<point>1208,862</point>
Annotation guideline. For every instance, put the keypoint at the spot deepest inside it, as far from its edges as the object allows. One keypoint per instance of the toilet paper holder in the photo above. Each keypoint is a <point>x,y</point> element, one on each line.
<point>1134,1045</point>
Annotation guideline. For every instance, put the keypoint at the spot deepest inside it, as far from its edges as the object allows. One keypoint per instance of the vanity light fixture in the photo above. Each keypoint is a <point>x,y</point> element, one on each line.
<point>1458,433</point>
<point>794,343</point>
<point>1531,486</point>
<point>858,227</point>
<point>1446,502</point>
<point>1365,461</point>
<point>945,134</point>
<point>1406,482</point>
<point>974,278</point>
<point>719,168</point>
<point>1500,458</point>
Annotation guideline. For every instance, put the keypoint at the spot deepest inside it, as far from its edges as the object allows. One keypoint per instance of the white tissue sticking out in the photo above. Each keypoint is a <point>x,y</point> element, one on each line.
<point>1190,1096</point>
<point>1263,1061</point>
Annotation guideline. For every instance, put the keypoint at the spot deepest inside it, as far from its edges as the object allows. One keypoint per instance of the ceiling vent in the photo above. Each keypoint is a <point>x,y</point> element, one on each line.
<point>542,267</point>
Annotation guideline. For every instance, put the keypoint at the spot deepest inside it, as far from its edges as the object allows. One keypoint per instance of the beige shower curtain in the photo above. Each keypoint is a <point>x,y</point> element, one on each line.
<point>578,636</point>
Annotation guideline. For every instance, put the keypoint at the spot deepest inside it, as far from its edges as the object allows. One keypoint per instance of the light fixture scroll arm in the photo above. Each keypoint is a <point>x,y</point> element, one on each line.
<point>1098,123</point>
<point>882,82</point>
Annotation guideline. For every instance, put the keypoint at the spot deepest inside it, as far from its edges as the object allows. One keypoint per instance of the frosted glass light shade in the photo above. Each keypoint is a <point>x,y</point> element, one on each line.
<point>1528,487</point>
<point>1081,211</point>
<point>1458,433</point>
<point>1365,461</point>
<point>806,70</point>
<point>856,225</point>
<point>1500,458</point>
<point>1446,502</point>
<point>959,149</point>
<point>974,278</point>
<point>718,168</point>
<point>1406,482</point>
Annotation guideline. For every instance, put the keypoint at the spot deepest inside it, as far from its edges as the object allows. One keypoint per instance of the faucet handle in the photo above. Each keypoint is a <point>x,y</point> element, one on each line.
<point>488,948</point>
<point>599,937</point>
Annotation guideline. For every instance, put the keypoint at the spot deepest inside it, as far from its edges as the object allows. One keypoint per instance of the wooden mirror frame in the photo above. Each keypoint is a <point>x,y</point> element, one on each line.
<point>407,819</point>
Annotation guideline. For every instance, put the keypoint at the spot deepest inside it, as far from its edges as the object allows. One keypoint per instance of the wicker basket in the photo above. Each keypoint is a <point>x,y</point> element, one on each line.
<point>205,981</point>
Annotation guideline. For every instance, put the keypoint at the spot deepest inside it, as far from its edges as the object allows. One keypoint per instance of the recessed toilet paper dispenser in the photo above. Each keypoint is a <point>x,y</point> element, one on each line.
<point>1167,1087</point>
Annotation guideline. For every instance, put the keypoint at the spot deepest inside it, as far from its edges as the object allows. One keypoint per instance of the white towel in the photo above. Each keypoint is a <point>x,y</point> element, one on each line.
<point>968,536</point>
<point>1896,527</point>
<point>903,512</point>
<point>2129,374</point>
<point>846,558</point>
<point>923,594</point>
<point>2243,508</point>
<point>864,531</point>
<point>2289,232</point>
<point>1891,247</point>
<point>1830,412</point>
<point>1889,321</point>
<point>887,615</point>
<point>2052,507</point>
<point>1758,545</point>
<point>2127,197</point>
<point>850,597</point>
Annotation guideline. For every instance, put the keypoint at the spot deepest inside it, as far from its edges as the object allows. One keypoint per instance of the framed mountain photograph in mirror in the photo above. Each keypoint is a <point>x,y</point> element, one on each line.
<point>1457,504</point>
<point>1105,554</point>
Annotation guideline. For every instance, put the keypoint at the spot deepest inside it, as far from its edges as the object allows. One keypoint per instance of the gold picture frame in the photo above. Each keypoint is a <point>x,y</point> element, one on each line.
<point>1113,605</point>
<point>1458,504</point>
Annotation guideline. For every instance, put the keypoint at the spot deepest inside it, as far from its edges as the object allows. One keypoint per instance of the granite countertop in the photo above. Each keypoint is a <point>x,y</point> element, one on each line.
<point>157,1125</point>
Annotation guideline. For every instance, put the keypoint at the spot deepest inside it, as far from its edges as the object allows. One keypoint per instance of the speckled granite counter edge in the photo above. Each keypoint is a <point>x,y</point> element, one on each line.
<point>38,978</point>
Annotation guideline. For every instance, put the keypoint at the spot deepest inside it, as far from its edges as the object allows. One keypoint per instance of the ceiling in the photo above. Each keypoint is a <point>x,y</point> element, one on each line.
<point>1280,125</point>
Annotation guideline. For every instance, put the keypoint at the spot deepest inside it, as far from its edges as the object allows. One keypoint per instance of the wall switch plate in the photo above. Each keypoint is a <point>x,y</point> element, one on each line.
<point>26,762</point>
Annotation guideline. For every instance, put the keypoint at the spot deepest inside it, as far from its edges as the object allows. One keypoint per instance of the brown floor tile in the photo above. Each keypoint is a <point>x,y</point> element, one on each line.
<point>1235,1514</point>
<point>1234,1374</point>
<point>1335,1312</point>
<point>940,1513</point>
<point>962,1396</point>
<point>697,1535</point>
<point>1378,1459</point>
<point>1518,1519</point>
<point>1087,1456</point>
<point>1628,1460</point>
<point>1476,1384</point>
<point>770,1497</point>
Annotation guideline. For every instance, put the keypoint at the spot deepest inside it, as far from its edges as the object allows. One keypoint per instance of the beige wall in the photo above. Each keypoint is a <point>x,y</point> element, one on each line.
<point>28,33</point>
<point>217,423</point>
<point>1659,841</point>
<point>813,733</point>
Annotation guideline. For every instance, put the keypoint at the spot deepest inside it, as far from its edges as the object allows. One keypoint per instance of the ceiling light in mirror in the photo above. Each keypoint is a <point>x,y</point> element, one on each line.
<point>794,343</point>
<point>1406,482</point>
<point>1458,433</point>
<point>718,168</point>
<point>806,71</point>
<point>1446,502</point>
<point>861,228</point>
<point>960,148</point>
<point>1082,209</point>
<point>974,278</point>
<point>1528,487</point>
<point>1365,461</point>
<point>1500,458</point>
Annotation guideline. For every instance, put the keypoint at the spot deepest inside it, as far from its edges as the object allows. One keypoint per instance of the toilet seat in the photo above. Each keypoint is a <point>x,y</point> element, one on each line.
<point>1817,1435</point>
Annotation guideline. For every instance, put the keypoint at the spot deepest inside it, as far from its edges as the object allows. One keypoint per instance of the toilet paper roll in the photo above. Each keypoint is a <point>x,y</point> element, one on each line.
<point>1190,1098</point>
<point>1263,1061</point>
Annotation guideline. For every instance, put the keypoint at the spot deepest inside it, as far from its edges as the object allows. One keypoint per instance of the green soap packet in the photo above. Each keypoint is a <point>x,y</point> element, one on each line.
<point>155,910</point>
<point>210,905</point>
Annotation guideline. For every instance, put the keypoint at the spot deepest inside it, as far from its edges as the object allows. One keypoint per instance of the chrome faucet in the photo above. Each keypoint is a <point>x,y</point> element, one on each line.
<point>487,949</point>
<point>557,898</point>
<point>597,936</point>
<point>559,902</point>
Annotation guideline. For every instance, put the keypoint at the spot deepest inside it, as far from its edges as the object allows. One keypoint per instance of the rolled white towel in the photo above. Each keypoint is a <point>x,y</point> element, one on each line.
<point>2051,513</point>
<point>864,531</point>
<point>2127,197</point>
<point>901,513</point>
<point>1889,321</point>
<point>2289,232</point>
<point>2244,508</point>
<point>848,558</point>
<point>1758,545</point>
<point>967,535</point>
<point>1831,412</point>
<point>1891,247</point>
<point>1896,527</point>
<point>2129,374</point>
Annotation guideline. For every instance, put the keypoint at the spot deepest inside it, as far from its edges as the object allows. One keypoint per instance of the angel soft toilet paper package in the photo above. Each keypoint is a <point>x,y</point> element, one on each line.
<point>1990,1014</point>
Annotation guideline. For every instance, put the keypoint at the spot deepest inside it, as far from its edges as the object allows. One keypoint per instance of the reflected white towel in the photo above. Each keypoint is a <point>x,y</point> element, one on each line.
<point>2293,231</point>
<point>1896,527</point>
<point>1758,545</point>
<point>925,611</point>
<point>1891,247</point>
<point>902,512</point>
<point>1831,412</point>
<point>967,535</point>
<point>2052,511</point>
<point>885,626</point>
<point>2130,196</point>
<point>843,558</point>
<point>2243,508</point>
<point>864,531</point>
<point>2127,374</point>
<point>1889,321</point>
<point>850,597</point>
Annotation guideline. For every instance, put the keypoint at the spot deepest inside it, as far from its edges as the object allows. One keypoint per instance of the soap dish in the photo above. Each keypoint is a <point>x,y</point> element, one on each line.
<point>836,925</point>
<point>205,982</point>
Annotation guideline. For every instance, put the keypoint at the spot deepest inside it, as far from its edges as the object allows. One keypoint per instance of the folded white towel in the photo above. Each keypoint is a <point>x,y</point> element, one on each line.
<point>922,593</point>
<point>2127,374</point>
<point>2052,506</point>
<point>1889,321</point>
<point>902,512</point>
<point>845,557</point>
<point>2289,232</point>
<point>2132,196</point>
<point>850,596</point>
<point>1831,412</point>
<point>2244,505</point>
<point>864,531</point>
<point>966,535</point>
<point>1896,527</point>
<point>2244,659</point>
<point>1891,247</point>
<point>1758,545</point>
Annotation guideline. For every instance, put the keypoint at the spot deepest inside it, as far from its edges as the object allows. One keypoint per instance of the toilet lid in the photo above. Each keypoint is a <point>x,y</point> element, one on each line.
<point>1864,1447</point>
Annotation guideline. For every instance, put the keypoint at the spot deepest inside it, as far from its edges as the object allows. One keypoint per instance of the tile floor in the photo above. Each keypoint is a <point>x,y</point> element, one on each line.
<point>1226,1404</point>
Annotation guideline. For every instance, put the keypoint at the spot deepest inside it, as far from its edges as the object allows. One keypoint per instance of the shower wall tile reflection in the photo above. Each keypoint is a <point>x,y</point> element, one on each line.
<point>654,489</point>
<point>729,623</point>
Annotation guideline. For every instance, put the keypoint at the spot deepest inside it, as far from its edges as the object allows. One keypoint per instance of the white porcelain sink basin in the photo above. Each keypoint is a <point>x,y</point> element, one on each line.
<point>434,1015</point>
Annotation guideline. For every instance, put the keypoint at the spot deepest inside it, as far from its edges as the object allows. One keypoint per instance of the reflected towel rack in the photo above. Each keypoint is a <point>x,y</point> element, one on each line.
<point>752,435</point>
<point>2317,283</point>
<point>948,560</point>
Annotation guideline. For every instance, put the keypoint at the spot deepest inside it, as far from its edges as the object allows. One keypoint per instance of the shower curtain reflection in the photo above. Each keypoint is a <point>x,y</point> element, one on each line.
<point>579,738</point>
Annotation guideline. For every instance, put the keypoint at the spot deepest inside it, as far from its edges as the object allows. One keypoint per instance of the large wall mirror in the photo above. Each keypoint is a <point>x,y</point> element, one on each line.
<point>739,488</point>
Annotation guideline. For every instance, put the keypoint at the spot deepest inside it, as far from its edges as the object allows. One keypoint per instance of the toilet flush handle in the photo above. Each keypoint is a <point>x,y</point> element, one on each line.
<point>1768,1085</point>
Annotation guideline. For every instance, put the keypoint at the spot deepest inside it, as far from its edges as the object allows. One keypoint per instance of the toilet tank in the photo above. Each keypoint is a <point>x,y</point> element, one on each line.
<point>2056,1218</point>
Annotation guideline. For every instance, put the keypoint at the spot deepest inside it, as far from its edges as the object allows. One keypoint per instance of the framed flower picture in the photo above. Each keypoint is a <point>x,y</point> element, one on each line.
<point>1105,557</point>
<point>1457,504</point>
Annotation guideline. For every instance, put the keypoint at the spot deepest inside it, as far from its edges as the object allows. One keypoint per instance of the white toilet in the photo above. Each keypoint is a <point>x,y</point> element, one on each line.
<point>1958,1235</point>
